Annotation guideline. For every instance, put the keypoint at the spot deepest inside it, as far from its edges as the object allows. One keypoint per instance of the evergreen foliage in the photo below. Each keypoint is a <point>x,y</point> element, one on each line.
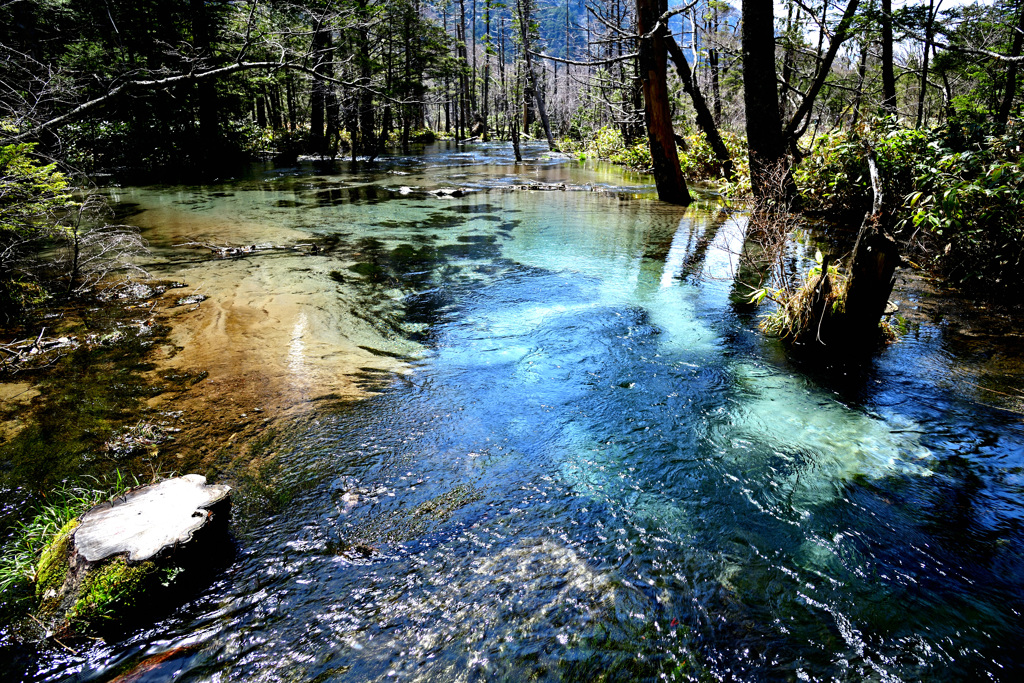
<point>34,199</point>
<point>192,85</point>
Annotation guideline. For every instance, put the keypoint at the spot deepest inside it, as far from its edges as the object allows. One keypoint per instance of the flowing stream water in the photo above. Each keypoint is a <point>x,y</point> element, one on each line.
<point>577,461</point>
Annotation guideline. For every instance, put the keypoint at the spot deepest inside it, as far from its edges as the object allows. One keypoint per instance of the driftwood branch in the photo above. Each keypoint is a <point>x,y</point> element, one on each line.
<point>225,251</point>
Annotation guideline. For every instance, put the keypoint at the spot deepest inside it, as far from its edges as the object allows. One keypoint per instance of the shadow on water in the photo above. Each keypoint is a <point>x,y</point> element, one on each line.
<point>589,467</point>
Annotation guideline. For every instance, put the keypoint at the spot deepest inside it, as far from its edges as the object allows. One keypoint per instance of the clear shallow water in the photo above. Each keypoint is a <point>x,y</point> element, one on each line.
<point>589,465</point>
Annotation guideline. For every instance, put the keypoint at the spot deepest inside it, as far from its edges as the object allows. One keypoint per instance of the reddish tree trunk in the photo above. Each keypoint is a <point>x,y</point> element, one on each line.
<point>668,177</point>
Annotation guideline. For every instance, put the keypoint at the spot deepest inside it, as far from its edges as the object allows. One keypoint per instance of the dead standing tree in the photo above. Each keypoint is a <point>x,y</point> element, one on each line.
<point>837,314</point>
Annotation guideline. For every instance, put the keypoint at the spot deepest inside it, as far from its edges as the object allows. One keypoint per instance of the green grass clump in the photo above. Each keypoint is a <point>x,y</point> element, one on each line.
<point>22,560</point>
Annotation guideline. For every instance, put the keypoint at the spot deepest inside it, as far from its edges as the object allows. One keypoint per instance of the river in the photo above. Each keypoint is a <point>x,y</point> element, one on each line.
<point>537,442</point>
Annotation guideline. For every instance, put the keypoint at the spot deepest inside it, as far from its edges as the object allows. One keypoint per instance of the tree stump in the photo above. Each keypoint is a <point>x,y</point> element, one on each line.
<point>100,564</point>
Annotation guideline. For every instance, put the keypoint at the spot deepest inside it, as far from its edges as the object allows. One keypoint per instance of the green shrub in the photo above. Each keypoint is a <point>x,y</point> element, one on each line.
<point>960,206</point>
<point>834,178</point>
<point>696,158</point>
<point>970,202</point>
<point>699,162</point>
<point>34,197</point>
<point>607,143</point>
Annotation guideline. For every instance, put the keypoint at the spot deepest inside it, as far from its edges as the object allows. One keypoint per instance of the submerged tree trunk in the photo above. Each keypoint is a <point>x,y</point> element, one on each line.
<point>872,268</point>
<point>657,113</point>
<point>524,19</point>
<point>843,320</point>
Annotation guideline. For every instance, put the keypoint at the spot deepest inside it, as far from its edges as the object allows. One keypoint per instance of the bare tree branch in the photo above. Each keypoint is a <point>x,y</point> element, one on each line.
<point>158,83</point>
<point>600,62</point>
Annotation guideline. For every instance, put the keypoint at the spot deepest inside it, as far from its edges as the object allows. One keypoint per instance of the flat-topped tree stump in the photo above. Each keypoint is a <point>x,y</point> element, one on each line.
<point>103,562</point>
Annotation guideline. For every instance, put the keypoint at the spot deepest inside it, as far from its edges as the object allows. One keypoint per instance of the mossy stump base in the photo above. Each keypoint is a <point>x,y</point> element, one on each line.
<point>106,564</point>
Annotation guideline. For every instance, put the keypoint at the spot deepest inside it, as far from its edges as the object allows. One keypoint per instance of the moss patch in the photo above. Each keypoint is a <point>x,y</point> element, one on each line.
<point>53,563</point>
<point>405,525</point>
<point>111,587</point>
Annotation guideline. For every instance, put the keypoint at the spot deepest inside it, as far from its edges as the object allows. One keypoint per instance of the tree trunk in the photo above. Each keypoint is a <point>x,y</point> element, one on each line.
<point>668,177</point>
<point>789,55</point>
<point>524,19</point>
<point>853,328</point>
<point>206,91</point>
<point>713,58</point>
<point>705,120</point>
<point>761,97</point>
<point>123,545</point>
<point>1011,72</point>
<point>367,141</point>
<point>261,111</point>
<point>888,77</point>
<point>318,95</point>
<point>488,51</point>
<point>872,269</point>
<point>862,69</point>
<point>293,117</point>
<point>929,28</point>
<point>464,89</point>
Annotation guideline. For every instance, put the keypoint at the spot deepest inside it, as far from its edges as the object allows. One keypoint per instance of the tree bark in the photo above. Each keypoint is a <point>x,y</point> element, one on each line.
<point>888,77</point>
<point>862,69</point>
<point>524,18</point>
<point>206,92</point>
<point>713,60</point>
<point>1011,71</point>
<point>318,95</point>
<point>923,90</point>
<point>761,97</point>
<point>668,177</point>
<point>872,269</point>
<point>122,545</point>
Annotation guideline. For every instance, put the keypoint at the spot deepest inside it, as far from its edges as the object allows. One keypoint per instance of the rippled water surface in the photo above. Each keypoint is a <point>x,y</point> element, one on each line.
<point>584,463</point>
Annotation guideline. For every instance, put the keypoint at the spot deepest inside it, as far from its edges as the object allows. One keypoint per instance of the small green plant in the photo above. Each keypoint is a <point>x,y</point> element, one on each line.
<point>19,562</point>
<point>34,197</point>
<point>793,314</point>
<point>136,439</point>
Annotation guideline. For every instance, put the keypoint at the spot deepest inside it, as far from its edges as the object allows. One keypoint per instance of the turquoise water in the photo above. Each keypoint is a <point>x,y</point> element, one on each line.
<point>588,464</point>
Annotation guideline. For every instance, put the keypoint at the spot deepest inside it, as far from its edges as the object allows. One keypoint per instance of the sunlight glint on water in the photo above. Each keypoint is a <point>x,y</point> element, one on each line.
<point>589,464</point>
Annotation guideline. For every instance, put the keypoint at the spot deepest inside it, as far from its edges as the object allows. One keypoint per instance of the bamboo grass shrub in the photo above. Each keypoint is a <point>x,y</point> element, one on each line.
<point>953,199</point>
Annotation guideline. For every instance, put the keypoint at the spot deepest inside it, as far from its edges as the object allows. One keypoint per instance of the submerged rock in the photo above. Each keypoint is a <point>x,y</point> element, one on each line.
<point>101,564</point>
<point>448,192</point>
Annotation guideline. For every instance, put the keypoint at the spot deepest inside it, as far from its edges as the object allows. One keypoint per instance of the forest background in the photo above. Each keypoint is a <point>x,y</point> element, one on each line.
<point>186,88</point>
